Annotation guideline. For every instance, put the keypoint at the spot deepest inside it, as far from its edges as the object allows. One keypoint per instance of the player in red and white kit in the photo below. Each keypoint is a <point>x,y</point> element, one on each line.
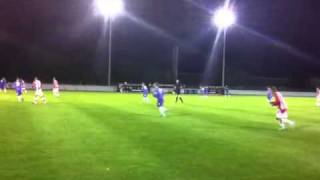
<point>38,93</point>
<point>282,114</point>
<point>24,88</point>
<point>55,89</point>
<point>318,97</point>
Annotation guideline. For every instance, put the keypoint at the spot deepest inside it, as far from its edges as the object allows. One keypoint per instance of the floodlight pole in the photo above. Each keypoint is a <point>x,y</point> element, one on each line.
<point>110,50</point>
<point>176,51</point>
<point>224,56</point>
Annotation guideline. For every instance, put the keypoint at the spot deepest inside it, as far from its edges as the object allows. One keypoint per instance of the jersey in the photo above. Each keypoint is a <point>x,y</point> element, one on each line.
<point>37,85</point>
<point>55,84</point>
<point>159,94</point>
<point>23,84</point>
<point>178,88</point>
<point>3,83</point>
<point>280,102</point>
<point>318,93</point>
<point>18,88</point>
<point>145,91</point>
<point>269,94</point>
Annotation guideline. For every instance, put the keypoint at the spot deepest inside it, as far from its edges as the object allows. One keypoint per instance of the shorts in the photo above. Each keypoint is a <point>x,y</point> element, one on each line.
<point>160,102</point>
<point>19,92</point>
<point>145,95</point>
<point>39,92</point>
<point>55,90</point>
<point>282,115</point>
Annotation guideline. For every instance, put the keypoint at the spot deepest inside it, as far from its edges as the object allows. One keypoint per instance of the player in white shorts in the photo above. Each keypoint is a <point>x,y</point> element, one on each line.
<point>39,92</point>
<point>55,89</point>
<point>282,114</point>
<point>24,88</point>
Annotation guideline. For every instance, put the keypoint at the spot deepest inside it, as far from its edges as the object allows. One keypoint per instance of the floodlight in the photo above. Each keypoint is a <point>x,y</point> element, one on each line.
<point>224,18</point>
<point>109,8</point>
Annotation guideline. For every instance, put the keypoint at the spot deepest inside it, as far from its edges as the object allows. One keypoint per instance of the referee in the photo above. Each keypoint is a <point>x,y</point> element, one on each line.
<point>178,91</point>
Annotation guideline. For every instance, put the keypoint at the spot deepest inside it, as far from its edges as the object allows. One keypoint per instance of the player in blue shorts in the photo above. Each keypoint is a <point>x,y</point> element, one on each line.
<point>158,93</point>
<point>18,86</point>
<point>3,85</point>
<point>269,94</point>
<point>204,90</point>
<point>145,92</point>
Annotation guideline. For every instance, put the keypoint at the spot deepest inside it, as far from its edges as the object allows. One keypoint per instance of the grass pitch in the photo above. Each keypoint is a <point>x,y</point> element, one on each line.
<point>82,136</point>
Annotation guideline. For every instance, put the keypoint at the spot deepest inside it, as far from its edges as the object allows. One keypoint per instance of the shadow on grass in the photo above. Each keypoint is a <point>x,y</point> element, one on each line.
<point>182,152</point>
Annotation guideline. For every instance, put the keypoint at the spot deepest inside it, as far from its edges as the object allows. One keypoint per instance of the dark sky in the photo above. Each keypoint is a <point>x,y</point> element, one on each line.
<point>275,42</point>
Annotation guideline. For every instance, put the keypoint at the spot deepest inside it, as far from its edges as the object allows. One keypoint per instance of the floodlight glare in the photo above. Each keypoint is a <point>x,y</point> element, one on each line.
<point>224,18</point>
<point>109,8</point>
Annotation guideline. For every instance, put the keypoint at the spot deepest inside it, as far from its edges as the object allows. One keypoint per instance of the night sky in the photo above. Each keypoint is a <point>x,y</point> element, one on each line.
<point>274,42</point>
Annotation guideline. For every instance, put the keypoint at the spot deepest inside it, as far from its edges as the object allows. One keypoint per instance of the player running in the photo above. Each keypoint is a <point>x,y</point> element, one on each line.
<point>3,85</point>
<point>269,94</point>
<point>204,90</point>
<point>23,85</point>
<point>55,89</point>
<point>282,114</point>
<point>145,93</point>
<point>159,94</point>
<point>38,93</point>
<point>318,97</point>
<point>178,91</point>
<point>18,86</point>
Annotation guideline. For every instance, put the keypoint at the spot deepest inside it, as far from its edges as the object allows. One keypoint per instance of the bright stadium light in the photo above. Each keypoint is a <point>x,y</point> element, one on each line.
<point>224,18</point>
<point>109,8</point>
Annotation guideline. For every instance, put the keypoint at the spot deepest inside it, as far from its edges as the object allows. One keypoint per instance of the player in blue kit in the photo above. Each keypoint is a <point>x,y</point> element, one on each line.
<point>145,92</point>
<point>3,85</point>
<point>269,94</point>
<point>18,86</point>
<point>204,90</point>
<point>158,93</point>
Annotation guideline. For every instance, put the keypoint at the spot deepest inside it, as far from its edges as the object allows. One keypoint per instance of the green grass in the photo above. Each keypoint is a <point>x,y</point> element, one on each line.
<point>82,136</point>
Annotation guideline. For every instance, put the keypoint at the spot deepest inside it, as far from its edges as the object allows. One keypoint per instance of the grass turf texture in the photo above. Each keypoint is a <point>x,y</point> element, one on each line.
<point>82,136</point>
